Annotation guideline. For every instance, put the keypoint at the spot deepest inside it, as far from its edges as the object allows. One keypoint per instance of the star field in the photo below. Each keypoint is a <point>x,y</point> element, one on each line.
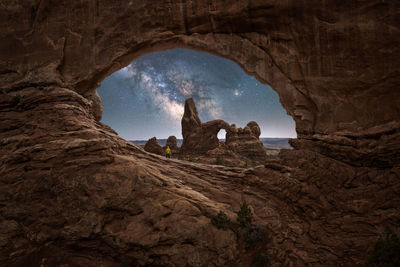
<point>146,98</point>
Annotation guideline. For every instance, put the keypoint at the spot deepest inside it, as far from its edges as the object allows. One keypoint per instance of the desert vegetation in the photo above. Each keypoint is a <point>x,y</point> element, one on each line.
<point>251,235</point>
<point>386,251</point>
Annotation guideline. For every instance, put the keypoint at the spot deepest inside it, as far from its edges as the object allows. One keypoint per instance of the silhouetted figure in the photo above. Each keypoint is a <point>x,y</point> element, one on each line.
<point>168,152</point>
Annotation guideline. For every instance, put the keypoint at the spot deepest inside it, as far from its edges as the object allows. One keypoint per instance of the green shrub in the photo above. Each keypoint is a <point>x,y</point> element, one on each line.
<point>221,221</point>
<point>260,260</point>
<point>219,161</point>
<point>244,215</point>
<point>386,251</point>
<point>252,236</point>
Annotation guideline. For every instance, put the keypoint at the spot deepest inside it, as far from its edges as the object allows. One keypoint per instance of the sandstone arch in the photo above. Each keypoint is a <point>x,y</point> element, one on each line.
<point>68,180</point>
<point>329,95</point>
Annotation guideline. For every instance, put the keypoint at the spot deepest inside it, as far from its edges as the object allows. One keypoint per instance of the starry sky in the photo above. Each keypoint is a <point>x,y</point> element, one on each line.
<point>147,97</point>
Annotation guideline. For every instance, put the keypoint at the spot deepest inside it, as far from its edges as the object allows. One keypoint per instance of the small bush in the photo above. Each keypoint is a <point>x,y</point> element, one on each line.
<point>221,221</point>
<point>386,251</point>
<point>260,260</point>
<point>252,236</point>
<point>219,161</point>
<point>244,215</point>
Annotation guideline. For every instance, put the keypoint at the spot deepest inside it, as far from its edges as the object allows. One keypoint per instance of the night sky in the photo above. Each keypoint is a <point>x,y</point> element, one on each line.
<point>147,97</point>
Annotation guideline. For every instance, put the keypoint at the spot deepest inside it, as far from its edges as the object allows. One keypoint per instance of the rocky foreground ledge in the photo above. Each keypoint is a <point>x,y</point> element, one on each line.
<point>73,192</point>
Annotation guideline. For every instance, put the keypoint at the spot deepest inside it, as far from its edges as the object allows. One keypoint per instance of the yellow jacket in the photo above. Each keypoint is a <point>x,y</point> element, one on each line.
<point>168,150</point>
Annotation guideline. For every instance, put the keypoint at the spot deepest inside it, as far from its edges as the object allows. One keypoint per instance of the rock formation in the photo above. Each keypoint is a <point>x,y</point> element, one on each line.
<point>73,192</point>
<point>173,144</point>
<point>224,155</point>
<point>153,146</point>
<point>246,141</point>
<point>199,137</point>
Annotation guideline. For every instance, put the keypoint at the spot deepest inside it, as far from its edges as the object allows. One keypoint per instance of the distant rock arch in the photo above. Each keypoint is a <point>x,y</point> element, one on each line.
<point>201,137</point>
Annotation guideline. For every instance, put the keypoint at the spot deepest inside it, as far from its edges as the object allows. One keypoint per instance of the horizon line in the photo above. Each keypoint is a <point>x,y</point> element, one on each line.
<point>218,138</point>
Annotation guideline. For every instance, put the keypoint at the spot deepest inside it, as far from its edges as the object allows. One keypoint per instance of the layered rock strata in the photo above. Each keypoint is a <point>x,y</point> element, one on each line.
<point>83,196</point>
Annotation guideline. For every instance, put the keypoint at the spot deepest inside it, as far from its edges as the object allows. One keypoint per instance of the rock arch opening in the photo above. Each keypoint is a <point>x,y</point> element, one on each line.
<point>222,135</point>
<point>146,98</point>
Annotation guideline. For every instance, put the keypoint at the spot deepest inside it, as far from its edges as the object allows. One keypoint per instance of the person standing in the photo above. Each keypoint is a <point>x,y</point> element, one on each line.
<point>168,152</point>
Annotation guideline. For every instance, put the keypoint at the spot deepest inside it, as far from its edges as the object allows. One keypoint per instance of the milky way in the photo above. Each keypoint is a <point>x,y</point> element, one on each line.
<point>146,98</point>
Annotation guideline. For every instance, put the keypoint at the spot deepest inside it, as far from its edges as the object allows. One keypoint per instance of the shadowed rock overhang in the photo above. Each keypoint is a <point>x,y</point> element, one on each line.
<point>334,66</point>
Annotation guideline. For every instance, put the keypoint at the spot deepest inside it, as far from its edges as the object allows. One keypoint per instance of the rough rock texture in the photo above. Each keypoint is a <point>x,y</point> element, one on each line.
<point>334,66</point>
<point>246,141</point>
<point>73,192</point>
<point>173,144</point>
<point>82,195</point>
<point>153,146</point>
<point>221,155</point>
<point>199,137</point>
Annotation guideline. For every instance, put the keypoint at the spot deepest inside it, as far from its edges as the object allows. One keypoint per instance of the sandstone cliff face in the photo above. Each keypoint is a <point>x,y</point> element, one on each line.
<point>73,192</point>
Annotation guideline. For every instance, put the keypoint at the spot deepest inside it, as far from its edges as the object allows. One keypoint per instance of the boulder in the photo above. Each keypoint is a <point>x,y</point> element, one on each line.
<point>173,144</point>
<point>153,146</point>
